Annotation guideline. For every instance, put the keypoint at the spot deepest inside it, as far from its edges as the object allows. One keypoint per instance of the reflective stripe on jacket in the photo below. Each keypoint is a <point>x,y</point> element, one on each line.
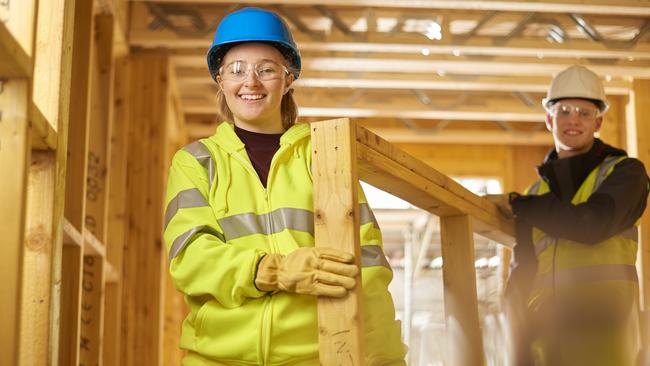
<point>568,268</point>
<point>220,221</point>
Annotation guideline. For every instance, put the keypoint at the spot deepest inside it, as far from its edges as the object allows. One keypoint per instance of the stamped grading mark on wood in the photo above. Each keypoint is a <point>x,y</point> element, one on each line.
<point>342,347</point>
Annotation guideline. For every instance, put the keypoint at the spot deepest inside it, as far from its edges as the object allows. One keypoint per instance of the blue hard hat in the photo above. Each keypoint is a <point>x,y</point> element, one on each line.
<point>252,25</point>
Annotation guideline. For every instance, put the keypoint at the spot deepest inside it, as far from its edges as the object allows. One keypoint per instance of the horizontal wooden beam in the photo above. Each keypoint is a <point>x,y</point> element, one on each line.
<point>605,7</point>
<point>71,236</point>
<point>424,114</point>
<point>415,45</point>
<point>395,113</point>
<point>394,171</point>
<point>507,85</point>
<point>429,136</point>
<point>485,47</point>
<point>44,137</point>
<point>92,245</point>
<point>14,60</point>
<point>462,67</point>
<point>189,80</point>
<point>472,137</point>
<point>457,85</point>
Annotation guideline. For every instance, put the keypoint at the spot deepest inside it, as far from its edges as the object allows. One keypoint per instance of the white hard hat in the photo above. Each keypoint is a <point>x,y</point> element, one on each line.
<point>576,82</point>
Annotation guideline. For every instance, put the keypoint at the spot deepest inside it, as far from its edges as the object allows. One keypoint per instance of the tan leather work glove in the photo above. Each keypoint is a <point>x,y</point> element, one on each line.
<point>308,271</point>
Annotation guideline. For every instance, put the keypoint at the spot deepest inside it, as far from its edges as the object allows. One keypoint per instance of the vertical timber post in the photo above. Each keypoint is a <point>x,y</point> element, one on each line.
<point>336,225</point>
<point>143,262</point>
<point>639,118</point>
<point>459,280</point>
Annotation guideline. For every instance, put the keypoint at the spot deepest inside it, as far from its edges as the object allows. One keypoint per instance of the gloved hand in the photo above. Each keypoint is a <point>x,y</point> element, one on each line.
<point>308,271</point>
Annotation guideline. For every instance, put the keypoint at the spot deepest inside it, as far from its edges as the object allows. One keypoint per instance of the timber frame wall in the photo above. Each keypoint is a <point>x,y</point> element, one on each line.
<point>342,154</point>
<point>69,288</point>
<point>87,128</point>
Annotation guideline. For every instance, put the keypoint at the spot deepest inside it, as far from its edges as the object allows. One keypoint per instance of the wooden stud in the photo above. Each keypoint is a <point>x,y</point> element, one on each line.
<point>175,312</point>
<point>640,99</point>
<point>48,138</point>
<point>48,62</point>
<point>461,304</point>
<point>92,310</point>
<point>53,69</point>
<point>14,157</point>
<point>97,180</point>
<point>336,224</point>
<point>101,113</point>
<point>638,143</point>
<point>36,292</point>
<point>71,274</point>
<point>613,127</point>
<point>116,225</point>
<point>16,38</point>
<point>75,203</point>
<point>143,268</point>
<point>175,308</point>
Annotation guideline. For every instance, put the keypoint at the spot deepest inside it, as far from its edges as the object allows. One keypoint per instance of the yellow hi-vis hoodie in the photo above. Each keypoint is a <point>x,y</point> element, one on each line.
<point>220,221</point>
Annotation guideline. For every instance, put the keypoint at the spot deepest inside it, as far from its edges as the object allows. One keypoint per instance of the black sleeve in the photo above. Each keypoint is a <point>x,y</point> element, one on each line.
<point>613,207</point>
<point>520,281</point>
<point>524,263</point>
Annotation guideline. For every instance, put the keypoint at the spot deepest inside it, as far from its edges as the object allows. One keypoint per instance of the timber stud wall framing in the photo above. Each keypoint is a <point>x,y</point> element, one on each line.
<point>343,153</point>
<point>59,265</point>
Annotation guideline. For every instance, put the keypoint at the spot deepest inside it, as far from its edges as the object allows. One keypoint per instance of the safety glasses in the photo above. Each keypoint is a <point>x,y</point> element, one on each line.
<point>564,110</point>
<point>266,70</point>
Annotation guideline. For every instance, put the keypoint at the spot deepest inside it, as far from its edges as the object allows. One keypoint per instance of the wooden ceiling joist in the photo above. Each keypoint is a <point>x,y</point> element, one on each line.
<point>478,137</point>
<point>414,45</point>
<point>430,136</point>
<point>394,113</point>
<point>605,7</point>
<point>400,113</point>
<point>463,67</point>
<point>613,88</point>
<point>371,59</point>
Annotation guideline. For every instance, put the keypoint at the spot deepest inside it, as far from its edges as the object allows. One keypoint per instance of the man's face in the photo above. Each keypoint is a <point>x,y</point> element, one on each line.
<point>573,123</point>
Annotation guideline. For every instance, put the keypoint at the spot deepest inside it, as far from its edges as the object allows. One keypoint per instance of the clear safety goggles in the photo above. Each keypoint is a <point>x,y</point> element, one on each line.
<point>563,110</point>
<point>266,70</point>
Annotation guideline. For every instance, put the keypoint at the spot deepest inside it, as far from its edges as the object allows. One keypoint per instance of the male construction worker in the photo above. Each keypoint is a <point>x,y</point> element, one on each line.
<point>573,293</point>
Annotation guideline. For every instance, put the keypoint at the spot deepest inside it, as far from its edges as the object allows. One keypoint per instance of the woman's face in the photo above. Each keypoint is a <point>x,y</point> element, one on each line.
<point>253,79</point>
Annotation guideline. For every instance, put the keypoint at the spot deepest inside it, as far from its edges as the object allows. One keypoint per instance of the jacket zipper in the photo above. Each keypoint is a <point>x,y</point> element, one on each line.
<point>266,323</point>
<point>265,329</point>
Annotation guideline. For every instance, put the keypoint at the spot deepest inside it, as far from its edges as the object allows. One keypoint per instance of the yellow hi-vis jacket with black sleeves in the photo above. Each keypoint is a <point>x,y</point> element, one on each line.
<point>219,222</point>
<point>598,282</point>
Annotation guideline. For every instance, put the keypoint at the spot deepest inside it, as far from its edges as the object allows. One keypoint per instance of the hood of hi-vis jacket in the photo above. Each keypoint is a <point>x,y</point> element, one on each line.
<point>220,221</point>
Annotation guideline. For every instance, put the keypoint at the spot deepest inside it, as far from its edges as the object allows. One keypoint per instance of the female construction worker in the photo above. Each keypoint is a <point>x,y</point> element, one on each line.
<point>239,224</point>
<point>573,292</point>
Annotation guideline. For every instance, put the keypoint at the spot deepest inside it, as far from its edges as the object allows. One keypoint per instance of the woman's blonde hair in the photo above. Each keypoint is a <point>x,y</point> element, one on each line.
<point>288,109</point>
